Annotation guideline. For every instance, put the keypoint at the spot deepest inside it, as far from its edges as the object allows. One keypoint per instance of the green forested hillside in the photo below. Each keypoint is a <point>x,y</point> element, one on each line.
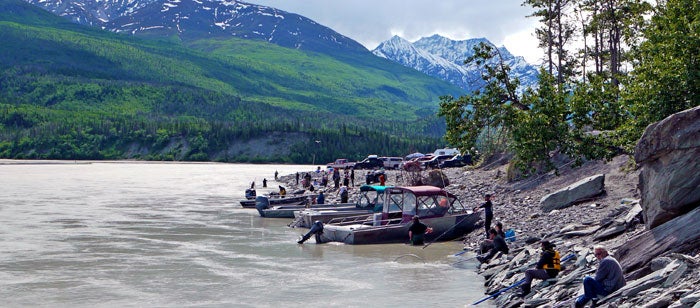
<point>69,92</point>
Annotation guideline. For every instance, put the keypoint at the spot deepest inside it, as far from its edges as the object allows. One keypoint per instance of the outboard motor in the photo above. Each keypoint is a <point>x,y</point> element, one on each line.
<point>261,203</point>
<point>250,193</point>
<point>316,229</point>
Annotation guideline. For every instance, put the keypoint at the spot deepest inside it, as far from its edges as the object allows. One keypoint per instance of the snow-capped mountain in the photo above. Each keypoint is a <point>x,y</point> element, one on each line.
<point>195,19</point>
<point>443,58</point>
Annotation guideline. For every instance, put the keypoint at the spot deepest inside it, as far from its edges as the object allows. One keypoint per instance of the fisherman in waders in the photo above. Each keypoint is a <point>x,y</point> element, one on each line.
<point>316,229</point>
<point>417,231</point>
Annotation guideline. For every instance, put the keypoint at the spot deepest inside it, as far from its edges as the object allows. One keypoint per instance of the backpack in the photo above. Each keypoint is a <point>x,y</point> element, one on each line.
<point>510,235</point>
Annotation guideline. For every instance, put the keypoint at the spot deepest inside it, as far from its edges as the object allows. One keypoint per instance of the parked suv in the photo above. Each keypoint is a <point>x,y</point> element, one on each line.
<point>370,162</point>
<point>436,160</point>
<point>457,161</point>
<point>391,162</point>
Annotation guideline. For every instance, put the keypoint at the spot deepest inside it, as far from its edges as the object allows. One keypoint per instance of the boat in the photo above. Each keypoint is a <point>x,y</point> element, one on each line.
<point>265,209</point>
<point>437,208</point>
<point>369,201</point>
<point>277,200</point>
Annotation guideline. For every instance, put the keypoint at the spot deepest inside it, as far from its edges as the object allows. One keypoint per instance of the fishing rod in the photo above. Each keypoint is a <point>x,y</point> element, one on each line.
<point>461,252</point>
<point>499,292</point>
<point>519,282</point>
<point>443,233</point>
<point>465,260</point>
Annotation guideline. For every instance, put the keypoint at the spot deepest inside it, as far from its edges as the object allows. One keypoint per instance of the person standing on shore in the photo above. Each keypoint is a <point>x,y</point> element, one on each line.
<point>343,192</point>
<point>352,176</point>
<point>488,213</point>
<point>608,278</point>
<point>276,174</point>
<point>336,177</point>
<point>297,177</point>
<point>321,199</point>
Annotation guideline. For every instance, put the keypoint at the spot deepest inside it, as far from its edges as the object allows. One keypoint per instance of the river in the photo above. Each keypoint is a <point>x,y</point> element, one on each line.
<point>138,234</point>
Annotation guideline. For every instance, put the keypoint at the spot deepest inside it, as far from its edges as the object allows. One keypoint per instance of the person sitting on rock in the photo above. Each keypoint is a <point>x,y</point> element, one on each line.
<point>487,244</point>
<point>547,267</point>
<point>498,244</point>
<point>608,278</point>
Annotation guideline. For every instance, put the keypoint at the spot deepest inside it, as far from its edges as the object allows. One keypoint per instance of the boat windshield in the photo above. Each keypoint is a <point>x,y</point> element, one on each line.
<point>371,196</point>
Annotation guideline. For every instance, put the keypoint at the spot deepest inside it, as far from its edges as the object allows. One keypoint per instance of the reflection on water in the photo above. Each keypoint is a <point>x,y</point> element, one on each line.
<point>172,234</point>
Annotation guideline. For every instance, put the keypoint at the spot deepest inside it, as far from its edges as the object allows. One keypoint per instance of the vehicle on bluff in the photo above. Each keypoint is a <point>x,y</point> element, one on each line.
<point>371,162</point>
<point>341,163</point>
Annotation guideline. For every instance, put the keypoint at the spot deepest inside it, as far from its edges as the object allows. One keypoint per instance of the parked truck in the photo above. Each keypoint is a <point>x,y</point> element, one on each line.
<point>341,163</point>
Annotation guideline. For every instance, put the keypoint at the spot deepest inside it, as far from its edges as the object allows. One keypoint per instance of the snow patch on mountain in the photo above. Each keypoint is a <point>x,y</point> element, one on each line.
<point>444,58</point>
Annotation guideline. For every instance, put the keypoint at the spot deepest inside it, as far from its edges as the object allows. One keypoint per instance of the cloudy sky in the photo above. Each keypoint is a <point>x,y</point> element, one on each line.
<point>371,22</point>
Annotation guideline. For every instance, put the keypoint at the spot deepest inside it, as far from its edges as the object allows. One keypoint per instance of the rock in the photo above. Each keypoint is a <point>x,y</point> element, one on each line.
<point>582,232</point>
<point>537,302</point>
<point>660,263</point>
<point>660,302</point>
<point>680,234</point>
<point>437,178</point>
<point>691,299</point>
<point>610,232</point>
<point>579,191</point>
<point>673,278</point>
<point>668,155</point>
<point>632,214</point>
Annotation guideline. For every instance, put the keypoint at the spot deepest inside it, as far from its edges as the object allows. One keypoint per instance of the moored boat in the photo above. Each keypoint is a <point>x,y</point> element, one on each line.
<point>265,209</point>
<point>437,208</point>
<point>277,200</point>
<point>369,201</point>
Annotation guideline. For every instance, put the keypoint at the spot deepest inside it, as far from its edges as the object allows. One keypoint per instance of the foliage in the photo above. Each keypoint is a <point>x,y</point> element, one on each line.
<point>666,78</point>
<point>598,114</point>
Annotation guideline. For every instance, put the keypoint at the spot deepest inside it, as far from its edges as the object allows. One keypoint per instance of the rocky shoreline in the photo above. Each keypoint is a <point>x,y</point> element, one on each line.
<point>660,260</point>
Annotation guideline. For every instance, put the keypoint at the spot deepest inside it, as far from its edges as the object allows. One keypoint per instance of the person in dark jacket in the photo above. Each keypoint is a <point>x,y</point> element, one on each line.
<point>547,267</point>
<point>488,212</point>
<point>487,244</point>
<point>608,278</point>
<point>417,231</point>
<point>498,245</point>
<point>321,199</point>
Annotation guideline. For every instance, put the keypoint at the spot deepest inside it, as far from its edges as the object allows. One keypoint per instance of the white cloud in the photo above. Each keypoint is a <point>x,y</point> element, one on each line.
<point>370,22</point>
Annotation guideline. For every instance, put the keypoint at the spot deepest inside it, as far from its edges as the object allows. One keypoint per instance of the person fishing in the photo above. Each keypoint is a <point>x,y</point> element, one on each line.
<point>320,199</point>
<point>487,244</point>
<point>547,267</point>
<point>488,213</point>
<point>417,231</point>
<point>608,278</point>
<point>498,244</point>
<point>316,229</point>
<point>283,191</point>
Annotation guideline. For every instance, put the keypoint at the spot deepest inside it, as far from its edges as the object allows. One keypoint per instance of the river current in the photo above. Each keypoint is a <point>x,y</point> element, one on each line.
<point>135,234</point>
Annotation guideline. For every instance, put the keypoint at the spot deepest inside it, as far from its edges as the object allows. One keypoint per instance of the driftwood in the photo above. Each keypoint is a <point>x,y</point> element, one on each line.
<point>677,235</point>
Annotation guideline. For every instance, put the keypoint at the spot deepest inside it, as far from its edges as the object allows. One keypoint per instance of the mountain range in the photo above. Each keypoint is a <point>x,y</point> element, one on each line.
<point>197,19</point>
<point>435,56</point>
<point>444,58</point>
<point>165,73</point>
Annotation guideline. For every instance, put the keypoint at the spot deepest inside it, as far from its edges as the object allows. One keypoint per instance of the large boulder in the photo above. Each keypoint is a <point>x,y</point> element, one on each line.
<point>437,178</point>
<point>677,235</point>
<point>668,154</point>
<point>579,191</point>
